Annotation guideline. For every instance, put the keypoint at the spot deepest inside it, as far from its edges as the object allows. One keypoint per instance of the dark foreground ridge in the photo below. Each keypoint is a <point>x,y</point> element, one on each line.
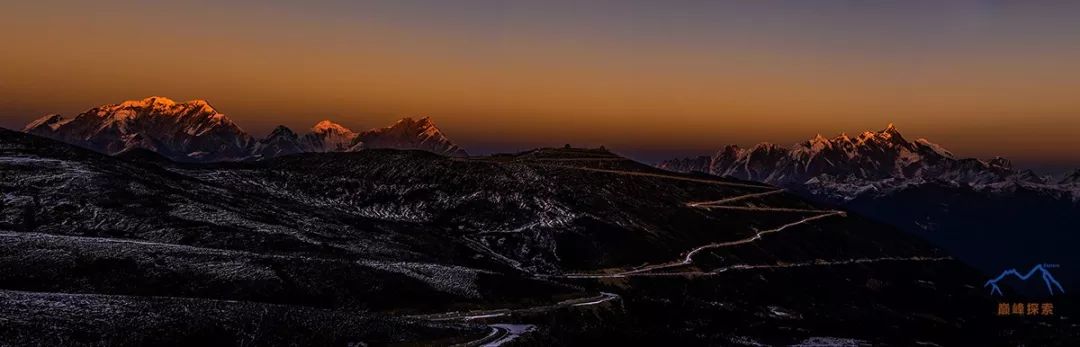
<point>546,247</point>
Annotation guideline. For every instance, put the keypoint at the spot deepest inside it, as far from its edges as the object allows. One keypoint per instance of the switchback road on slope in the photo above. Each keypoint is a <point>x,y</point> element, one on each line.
<point>671,177</point>
<point>688,258</point>
<point>732,199</point>
<point>744,267</point>
<point>503,333</point>
<point>503,312</point>
<point>499,335</point>
<point>712,204</point>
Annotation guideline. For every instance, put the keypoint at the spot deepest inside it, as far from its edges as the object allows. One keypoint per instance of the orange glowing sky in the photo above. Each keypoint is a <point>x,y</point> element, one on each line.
<point>651,79</point>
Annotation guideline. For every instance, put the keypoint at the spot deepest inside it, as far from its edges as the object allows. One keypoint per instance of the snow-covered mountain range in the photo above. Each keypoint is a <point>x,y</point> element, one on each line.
<point>327,136</point>
<point>192,130</point>
<point>409,133</point>
<point>843,167</point>
<point>195,131</point>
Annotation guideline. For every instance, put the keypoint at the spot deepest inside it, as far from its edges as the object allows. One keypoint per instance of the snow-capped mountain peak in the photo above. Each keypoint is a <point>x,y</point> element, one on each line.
<point>820,142</point>
<point>889,136</point>
<point>327,136</point>
<point>872,156</point>
<point>409,133</point>
<point>198,117</point>
<point>195,131</point>
<point>327,126</point>
<point>160,101</point>
<point>164,106</point>
<point>179,130</point>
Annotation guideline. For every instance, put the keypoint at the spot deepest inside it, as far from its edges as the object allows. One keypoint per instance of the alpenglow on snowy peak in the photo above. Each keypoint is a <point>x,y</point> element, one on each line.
<point>183,131</point>
<point>195,131</point>
<point>408,133</point>
<point>324,136</point>
<point>327,136</point>
<point>871,156</point>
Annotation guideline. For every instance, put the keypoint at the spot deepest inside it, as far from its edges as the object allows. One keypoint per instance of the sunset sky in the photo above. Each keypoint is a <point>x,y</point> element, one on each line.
<point>651,79</point>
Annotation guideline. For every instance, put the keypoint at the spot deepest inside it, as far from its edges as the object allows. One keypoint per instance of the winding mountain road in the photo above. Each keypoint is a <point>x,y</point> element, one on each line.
<point>706,204</point>
<point>671,177</point>
<point>503,312</point>
<point>820,262</point>
<point>502,333</point>
<point>743,267</point>
<point>688,258</point>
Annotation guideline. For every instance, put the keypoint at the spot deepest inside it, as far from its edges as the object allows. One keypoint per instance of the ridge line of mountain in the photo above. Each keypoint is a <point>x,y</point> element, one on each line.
<point>196,131</point>
<point>851,165</point>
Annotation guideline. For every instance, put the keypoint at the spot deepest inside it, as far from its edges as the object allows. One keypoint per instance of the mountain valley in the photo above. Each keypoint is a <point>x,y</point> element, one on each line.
<point>539,247</point>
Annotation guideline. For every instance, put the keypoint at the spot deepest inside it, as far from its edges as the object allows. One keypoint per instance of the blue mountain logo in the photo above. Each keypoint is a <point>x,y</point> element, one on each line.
<point>1047,277</point>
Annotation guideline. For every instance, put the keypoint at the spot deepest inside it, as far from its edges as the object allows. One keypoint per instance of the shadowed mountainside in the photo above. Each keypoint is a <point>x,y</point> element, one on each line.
<point>392,238</point>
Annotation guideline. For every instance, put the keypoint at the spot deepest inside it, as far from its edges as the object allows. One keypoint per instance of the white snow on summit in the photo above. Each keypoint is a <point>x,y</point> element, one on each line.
<point>195,131</point>
<point>178,130</point>
<point>846,167</point>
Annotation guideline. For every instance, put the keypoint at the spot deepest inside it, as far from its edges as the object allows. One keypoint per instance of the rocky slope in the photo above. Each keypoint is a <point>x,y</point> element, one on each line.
<point>306,241</point>
<point>281,141</point>
<point>122,231</point>
<point>1072,179</point>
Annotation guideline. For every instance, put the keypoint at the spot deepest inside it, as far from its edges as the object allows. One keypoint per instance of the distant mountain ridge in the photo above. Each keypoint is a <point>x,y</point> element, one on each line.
<point>408,133</point>
<point>195,131</point>
<point>847,166</point>
<point>192,130</point>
